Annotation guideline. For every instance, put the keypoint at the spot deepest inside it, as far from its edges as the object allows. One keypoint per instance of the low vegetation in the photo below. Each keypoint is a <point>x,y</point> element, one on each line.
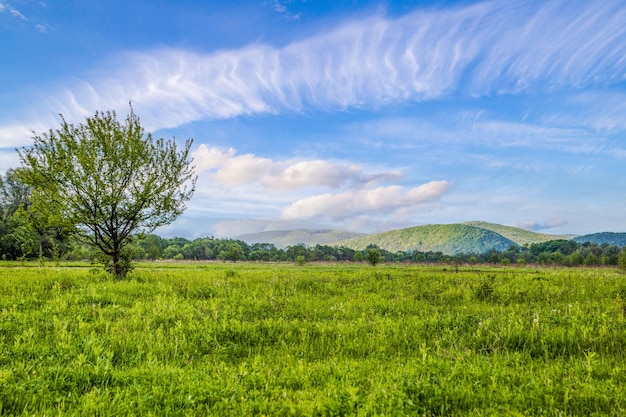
<point>342,339</point>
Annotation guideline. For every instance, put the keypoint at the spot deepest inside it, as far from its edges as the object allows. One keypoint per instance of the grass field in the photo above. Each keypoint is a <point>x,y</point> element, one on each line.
<point>273,340</point>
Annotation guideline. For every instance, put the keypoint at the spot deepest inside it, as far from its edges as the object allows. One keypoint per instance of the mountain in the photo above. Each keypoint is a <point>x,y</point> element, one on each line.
<point>308,237</point>
<point>449,239</point>
<point>517,235</point>
<point>615,239</point>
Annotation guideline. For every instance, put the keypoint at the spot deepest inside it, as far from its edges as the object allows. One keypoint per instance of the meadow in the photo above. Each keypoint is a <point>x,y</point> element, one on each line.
<point>313,340</point>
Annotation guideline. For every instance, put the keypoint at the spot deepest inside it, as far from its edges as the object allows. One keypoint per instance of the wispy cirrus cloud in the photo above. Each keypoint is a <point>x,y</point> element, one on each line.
<point>8,8</point>
<point>559,134</point>
<point>18,15</point>
<point>480,49</point>
<point>600,110</point>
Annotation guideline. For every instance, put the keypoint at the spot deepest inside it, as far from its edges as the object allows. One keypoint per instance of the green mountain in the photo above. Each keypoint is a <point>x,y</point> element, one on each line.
<point>285,238</point>
<point>449,239</point>
<point>616,239</point>
<point>517,235</point>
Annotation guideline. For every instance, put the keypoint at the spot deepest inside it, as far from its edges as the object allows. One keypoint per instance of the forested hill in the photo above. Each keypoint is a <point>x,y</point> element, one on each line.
<point>517,235</point>
<point>604,238</point>
<point>449,239</point>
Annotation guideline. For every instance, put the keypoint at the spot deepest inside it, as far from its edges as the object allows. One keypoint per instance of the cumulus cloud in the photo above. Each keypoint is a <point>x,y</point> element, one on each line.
<point>227,169</point>
<point>479,49</point>
<point>380,200</point>
<point>284,187</point>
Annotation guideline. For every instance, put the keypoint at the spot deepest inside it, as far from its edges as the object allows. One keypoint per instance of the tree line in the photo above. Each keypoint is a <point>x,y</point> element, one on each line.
<point>551,253</point>
<point>25,237</point>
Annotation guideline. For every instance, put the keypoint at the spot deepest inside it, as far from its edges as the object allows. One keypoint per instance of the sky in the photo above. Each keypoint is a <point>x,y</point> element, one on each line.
<point>355,115</point>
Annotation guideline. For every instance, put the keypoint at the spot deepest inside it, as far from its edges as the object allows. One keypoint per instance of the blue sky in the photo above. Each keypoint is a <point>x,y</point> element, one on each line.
<point>363,116</point>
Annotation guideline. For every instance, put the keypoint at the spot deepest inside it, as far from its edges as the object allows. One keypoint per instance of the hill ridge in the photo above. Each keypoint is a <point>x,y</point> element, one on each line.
<point>449,239</point>
<point>517,234</point>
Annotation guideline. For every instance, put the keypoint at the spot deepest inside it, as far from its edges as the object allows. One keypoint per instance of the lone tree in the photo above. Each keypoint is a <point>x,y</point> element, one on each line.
<point>107,181</point>
<point>373,256</point>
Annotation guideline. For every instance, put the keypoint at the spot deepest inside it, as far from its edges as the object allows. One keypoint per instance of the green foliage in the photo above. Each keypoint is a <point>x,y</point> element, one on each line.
<point>107,181</point>
<point>373,256</point>
<point>20,239</point>
<point>233,253</point>
<point>254,339</point>
<point>123,265</point>
<point>622,261</point>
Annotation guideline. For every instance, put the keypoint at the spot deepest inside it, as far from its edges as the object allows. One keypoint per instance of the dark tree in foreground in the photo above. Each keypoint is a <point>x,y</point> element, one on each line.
<point>107,181</point>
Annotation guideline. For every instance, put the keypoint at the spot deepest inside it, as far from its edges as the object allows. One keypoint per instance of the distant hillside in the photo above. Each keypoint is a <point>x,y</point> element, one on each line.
<point>615,239</point>
<point>449,239</point>
<point>285,238</point>
<point>517,235</point>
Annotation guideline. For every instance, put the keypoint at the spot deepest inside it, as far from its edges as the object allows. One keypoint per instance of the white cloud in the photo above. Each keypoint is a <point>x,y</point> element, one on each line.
<point>457,129</point>
<point>8,159</point>
<point>481,49</point>
<point>381,200</point>
<point>240,227</point>
<point>599,109</point>
<point>5,7</point>
<point>279,7</point>
<point>227,169</point>
<point>15,135</point>
<point>537,226</point>
<point>236,185</point>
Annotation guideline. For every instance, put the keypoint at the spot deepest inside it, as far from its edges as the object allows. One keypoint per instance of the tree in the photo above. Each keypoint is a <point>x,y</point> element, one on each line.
<point>621,260</point>
<point>233,252</point>
<point>21,239</point>
<point>107,181</point>
<point>13,193</point>
<point>373,256</point>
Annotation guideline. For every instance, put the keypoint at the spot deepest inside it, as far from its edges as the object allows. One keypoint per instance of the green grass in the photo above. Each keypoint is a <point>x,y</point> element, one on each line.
<point>251,339</point>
